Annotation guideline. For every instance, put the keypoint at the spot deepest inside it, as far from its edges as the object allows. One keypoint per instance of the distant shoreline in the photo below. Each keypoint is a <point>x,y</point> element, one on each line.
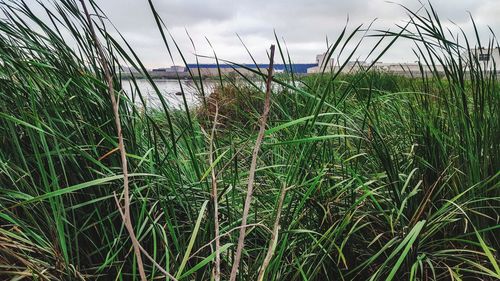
<point>186,76</point>
<point>156,75</point>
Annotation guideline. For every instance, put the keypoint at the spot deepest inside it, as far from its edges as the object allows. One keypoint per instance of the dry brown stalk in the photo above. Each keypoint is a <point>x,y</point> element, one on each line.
<point>159,267</point>
<point>126,206</point>
<point>274,235</point>
<point>427,199</point>
<point>229,232</point>
<point>215,197</point>
<point>253,167</point>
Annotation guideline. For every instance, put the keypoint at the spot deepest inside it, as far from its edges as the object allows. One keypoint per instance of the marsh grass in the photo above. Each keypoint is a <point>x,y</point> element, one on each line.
<point>387,177</point>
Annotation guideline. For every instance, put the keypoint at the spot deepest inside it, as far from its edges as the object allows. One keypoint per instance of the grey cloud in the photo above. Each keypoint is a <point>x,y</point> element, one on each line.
<point>303,24</point>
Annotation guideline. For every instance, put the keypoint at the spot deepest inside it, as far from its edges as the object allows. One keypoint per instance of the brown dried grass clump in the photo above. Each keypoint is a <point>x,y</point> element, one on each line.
<point>238,105</point>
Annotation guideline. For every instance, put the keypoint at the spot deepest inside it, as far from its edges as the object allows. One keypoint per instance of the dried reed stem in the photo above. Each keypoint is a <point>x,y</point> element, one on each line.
<point>214,196</point>
<point>274,235</point>
<point>121,146</point>
<point>253,167</point>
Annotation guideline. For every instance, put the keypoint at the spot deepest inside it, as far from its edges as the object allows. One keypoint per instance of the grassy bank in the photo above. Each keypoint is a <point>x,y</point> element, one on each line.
<point>371,176</point>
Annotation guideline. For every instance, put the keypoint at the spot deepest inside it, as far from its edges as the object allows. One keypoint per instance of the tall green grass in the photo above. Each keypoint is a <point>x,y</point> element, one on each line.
<point>386,177</point>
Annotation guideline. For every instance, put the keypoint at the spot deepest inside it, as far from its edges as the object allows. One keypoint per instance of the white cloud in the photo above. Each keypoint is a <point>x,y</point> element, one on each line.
<point>303,24</point>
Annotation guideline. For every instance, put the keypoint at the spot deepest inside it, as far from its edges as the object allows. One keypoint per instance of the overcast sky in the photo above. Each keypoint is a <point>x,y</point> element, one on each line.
<point>304,24</point>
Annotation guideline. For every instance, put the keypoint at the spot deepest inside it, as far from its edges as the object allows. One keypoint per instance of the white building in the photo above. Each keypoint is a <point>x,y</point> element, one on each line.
<point>177,68</point>
<point>172,69</point>
<point>328,65</point>
<point>323,64</point>
<point>405,68</point>
<point>488,58</point>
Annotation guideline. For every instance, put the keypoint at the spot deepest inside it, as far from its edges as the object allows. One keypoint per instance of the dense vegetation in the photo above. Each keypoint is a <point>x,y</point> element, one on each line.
<point>371,176</point>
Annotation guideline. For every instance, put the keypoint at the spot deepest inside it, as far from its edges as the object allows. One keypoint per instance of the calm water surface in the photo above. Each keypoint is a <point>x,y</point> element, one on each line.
<point>169,90</point>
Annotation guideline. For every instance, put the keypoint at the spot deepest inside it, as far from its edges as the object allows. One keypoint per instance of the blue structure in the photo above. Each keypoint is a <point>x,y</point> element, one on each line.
<point>295,68</point>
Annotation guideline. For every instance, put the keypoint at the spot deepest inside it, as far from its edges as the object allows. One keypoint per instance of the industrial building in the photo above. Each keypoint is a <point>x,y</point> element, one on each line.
<point>322,64</point>
<point>246,69</point>
<point>489,58</point>
<point>325,64</point>
<point>172,69</point>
